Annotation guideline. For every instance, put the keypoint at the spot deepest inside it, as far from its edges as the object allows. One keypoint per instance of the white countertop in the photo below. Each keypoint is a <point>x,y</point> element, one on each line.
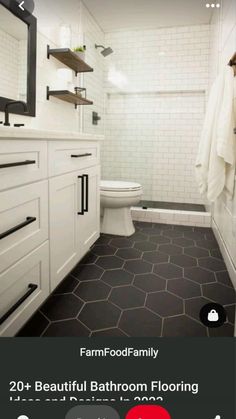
<point>25,133</point>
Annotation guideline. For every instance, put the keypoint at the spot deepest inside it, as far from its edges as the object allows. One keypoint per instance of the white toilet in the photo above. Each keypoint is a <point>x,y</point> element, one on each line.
<point>117,198</point>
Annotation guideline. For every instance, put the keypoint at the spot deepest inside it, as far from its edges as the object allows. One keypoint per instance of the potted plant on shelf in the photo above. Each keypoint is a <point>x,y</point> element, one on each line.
<point>80,51</point>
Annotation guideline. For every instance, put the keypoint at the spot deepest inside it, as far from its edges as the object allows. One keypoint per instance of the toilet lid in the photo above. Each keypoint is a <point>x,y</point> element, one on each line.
<point>115,185</point>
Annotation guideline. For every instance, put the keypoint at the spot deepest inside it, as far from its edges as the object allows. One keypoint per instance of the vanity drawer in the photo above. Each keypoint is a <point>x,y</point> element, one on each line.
<point>23,288</point>
<point>65,157</point>
<point>22,162</point>
<point>23,221</point>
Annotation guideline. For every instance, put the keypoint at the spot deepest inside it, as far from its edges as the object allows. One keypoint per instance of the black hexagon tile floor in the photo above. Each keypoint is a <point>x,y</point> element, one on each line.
<point>153,284</point>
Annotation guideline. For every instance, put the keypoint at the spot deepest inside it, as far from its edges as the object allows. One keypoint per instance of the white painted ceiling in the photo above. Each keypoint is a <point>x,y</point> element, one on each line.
<point>114,15</point>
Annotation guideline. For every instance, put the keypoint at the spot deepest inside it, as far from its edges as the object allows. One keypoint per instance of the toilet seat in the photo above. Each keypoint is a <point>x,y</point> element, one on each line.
<point>119,186</point>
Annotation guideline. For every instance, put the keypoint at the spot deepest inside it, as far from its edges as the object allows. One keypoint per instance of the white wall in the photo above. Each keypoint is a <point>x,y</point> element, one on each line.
<point>55,114</point>
<point>154,116</point>
<point>223,46</point>
<point>93,81</point>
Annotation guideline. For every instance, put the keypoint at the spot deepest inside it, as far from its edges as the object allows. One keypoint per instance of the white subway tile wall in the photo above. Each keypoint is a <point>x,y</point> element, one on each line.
<point>154,122</point>
<point>93,81</point>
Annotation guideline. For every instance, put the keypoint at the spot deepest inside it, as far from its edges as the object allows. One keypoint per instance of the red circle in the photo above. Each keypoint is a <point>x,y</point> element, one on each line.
<point>148,412</point>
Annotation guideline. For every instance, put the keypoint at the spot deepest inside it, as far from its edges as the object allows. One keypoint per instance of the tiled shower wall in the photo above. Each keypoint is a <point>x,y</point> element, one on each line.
<point>154,117</point>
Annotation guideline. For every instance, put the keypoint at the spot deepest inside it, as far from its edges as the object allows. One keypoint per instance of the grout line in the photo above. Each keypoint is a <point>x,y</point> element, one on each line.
<point>84,325</point>
<point>44,315</point>
<point>119,319</point>
<point>42,334</point>
<point>162,327</point>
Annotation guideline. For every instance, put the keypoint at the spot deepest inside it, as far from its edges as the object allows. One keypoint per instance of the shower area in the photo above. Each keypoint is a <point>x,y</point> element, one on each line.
<point>156,84</point>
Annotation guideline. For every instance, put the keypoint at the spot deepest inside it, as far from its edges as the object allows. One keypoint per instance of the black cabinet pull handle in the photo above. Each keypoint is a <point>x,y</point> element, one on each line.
<point>86,177</point>
<point>12,230</point>
<point>76,156</point>
<point>19,163</point>
<point>82,196</point>
<point>32,288</point>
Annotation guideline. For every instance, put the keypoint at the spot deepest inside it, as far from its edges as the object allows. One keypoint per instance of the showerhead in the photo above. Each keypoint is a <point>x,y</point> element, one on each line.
<point>105,51</point>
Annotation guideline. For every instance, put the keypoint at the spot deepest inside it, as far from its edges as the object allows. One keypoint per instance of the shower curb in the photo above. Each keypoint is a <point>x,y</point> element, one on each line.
<point>189,218</point>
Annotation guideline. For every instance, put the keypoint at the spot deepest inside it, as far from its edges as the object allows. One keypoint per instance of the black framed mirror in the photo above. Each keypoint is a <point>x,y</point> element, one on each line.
<point>18,44</point>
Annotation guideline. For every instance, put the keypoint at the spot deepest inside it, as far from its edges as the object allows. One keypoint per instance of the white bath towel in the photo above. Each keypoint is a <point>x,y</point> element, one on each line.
<point>215,165</point>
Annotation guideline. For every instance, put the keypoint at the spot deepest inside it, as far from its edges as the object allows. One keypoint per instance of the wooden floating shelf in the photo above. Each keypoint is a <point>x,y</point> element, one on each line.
<point>70,59</point>
<point>69,97</point>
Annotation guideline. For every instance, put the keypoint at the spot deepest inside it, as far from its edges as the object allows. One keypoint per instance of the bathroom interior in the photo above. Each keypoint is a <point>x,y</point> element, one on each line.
<point>104,230</point>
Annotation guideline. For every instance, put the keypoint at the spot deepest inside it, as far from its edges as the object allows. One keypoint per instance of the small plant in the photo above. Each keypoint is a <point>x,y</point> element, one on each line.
<point>80,49</point>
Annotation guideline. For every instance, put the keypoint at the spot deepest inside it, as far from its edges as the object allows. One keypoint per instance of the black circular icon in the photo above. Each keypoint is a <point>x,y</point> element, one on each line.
<point>26,7</point>
<point>213,315</point>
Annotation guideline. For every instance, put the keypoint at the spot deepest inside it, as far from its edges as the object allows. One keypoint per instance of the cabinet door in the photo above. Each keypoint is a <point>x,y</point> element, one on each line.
<point>88,226</point>
<point>74,219</point>
<point>23,221</point>
<point>23,288</point>
<point>63,200</point>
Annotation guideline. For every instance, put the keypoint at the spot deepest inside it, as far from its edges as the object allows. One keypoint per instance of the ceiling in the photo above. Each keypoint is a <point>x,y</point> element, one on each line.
<point>115,15</point>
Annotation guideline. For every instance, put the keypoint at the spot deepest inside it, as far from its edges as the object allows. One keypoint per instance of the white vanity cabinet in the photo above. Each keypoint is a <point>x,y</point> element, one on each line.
<point>49,218</point>
<point>74,219</point>
<point>24,233</point>
<point>88,225</point>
